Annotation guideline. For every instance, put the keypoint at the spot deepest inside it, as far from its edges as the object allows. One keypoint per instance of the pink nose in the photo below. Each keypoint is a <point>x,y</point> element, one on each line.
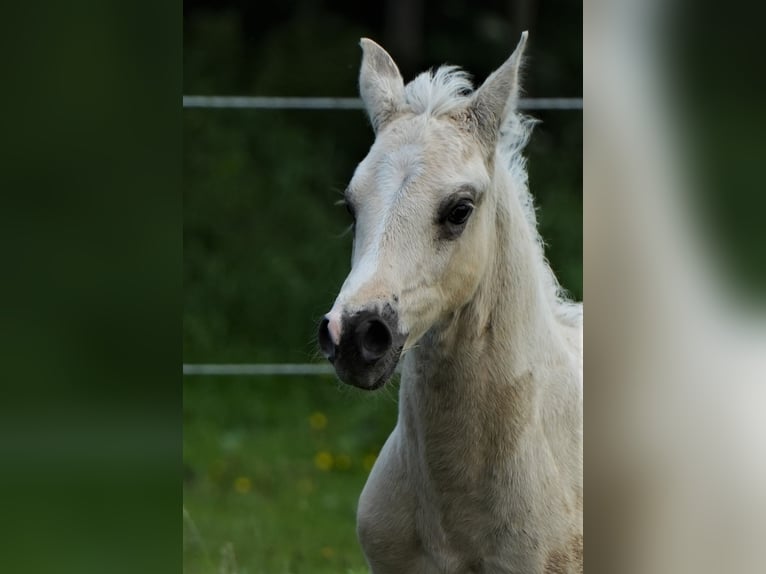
<point>333,326</point>
<point>329,335</point>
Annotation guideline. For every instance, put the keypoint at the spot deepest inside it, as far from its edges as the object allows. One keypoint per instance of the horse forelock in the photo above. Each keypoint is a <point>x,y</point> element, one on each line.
<point>438,92</point>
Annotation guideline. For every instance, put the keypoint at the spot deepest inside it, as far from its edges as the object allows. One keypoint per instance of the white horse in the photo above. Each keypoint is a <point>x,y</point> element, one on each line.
<point>483,471</point>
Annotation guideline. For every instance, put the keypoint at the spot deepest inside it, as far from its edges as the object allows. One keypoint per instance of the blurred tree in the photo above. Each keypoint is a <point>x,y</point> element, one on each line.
<point>404,33</point>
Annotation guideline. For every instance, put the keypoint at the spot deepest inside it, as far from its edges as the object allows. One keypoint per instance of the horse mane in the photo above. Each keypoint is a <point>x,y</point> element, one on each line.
<point>448,89</point>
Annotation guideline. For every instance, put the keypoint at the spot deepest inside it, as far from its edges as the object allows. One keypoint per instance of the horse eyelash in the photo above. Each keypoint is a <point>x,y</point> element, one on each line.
<point>346,204</point>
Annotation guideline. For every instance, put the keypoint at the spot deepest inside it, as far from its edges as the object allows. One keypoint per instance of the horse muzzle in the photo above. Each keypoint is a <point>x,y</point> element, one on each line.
<point>364,346</point>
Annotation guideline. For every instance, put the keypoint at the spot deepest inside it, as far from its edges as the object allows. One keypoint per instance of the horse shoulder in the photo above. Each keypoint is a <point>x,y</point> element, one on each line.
<point>385,525</point>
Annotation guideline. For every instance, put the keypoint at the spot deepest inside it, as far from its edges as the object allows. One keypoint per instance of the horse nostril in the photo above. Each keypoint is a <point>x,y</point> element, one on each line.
<point>374,339</point>
<point>325,340</point>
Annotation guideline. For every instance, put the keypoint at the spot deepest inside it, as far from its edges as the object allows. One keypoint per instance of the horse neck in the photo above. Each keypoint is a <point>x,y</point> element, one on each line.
<point>512,313</point>
<point>500,343</point>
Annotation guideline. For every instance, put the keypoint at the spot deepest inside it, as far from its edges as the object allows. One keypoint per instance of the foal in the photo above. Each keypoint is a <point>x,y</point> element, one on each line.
<point>483,471</point>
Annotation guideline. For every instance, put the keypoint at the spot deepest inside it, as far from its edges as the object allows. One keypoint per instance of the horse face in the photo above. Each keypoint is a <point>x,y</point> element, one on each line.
<point>421,238</point>
<point>424,218</point>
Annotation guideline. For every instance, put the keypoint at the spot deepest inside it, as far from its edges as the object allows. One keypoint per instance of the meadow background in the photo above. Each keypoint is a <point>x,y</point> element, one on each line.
<point>273,466</point>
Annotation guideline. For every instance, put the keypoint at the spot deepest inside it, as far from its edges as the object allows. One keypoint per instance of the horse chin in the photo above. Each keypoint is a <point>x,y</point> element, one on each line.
<point>370,377</point>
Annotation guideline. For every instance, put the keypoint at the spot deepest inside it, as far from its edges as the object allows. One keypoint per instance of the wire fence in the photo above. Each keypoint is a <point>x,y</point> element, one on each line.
<point>288,103</point>
<point>261,369</point>
<point>257,369</point>
<point>280,103</point>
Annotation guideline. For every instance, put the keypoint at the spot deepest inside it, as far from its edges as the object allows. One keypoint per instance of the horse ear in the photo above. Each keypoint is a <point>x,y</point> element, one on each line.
<point>380,84</point>
<point>498,95</point>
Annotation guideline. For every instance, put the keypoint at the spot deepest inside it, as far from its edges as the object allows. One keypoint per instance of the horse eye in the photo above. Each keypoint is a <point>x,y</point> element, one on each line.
<point>460,213</point>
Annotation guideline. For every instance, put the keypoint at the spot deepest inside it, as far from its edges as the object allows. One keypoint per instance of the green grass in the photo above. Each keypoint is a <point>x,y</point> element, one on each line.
<point>273,471</point>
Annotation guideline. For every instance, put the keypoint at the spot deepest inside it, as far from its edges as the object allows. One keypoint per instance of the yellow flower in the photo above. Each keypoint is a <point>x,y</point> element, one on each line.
<point>323,460</point>
<point>342,462</point>
<point>328,552</point>
<point>368,461</point>
<point>242,485</point>
<point>318,420</point>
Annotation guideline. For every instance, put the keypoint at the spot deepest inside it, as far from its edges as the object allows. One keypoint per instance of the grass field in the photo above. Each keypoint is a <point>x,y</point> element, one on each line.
<point>273,471</point>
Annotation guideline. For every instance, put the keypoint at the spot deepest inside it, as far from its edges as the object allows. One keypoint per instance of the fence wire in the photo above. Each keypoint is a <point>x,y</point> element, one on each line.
<point>280,103</point>
<point>258,369</point>
<point>286,103</point>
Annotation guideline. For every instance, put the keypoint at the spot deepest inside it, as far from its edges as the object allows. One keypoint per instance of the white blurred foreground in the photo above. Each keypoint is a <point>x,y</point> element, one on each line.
<point>675,387</point>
